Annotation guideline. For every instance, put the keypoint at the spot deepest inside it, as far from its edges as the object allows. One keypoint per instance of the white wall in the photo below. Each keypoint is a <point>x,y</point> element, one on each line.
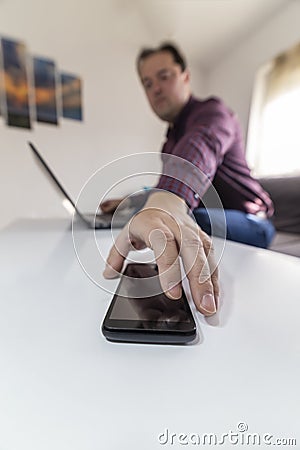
<point>99,40</point>
<point>96,40</point>
<point>233,77</point>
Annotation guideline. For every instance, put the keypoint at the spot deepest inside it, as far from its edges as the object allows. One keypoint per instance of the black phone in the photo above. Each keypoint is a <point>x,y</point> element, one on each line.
<point>141,312</point>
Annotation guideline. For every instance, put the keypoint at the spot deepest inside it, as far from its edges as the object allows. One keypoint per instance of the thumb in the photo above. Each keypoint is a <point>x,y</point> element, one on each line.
<point>117,255</point>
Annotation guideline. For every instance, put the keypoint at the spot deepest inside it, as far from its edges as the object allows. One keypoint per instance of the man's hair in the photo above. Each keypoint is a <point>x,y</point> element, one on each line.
<point>164,47</point>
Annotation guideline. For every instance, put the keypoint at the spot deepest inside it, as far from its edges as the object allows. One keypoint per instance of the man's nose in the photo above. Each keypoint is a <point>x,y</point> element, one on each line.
<point>156,88</point>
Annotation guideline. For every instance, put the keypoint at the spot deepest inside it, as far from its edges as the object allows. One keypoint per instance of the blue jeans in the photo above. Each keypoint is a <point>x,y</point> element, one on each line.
<point>239,226</point>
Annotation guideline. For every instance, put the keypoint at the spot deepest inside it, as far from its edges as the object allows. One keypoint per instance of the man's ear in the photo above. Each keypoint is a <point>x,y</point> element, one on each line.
<point>187,75</point>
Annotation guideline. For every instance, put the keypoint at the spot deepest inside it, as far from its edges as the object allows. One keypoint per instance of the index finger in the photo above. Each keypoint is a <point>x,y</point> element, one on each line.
<point>164,246</point>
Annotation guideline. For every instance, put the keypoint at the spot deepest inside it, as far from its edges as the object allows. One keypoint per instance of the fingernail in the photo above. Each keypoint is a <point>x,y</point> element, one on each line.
<point>208,303</point>
<point>174,290</point>
<point>109,272</point>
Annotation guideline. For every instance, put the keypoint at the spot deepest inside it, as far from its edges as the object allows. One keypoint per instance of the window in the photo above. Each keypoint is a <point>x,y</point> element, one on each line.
<point>273,145</point>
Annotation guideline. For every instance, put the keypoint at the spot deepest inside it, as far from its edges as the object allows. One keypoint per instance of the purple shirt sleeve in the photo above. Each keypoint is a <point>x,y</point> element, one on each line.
<point>210,133</point>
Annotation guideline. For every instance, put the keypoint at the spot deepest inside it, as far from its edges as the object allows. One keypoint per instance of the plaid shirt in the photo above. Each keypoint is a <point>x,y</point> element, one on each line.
<point>207,141</point>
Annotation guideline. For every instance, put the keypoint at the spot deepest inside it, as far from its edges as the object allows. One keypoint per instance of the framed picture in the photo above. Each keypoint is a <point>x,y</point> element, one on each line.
<point>71,90</point>
<point>1,84</point>
<point>44,75</point>
<point>15,83</point>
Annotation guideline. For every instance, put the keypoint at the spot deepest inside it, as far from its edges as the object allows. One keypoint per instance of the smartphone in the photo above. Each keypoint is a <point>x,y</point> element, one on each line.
<point>141,312</point>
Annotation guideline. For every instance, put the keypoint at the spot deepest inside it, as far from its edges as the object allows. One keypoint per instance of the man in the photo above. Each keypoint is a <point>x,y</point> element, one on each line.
<point>207,135</point>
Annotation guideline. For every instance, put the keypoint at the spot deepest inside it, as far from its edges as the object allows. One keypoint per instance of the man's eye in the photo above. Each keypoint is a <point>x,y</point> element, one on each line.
<point>165,76</point>
<point>147,84</point>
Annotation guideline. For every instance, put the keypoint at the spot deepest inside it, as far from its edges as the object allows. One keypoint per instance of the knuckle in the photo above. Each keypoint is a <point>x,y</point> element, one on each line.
<point>160,234</point>
<point>207,243</point>
<point>205,274</point>
<point>192,242</point>
<point>204,277</point>
<point>169,236</point>
<point>200,272</point>
<point>168,261</point>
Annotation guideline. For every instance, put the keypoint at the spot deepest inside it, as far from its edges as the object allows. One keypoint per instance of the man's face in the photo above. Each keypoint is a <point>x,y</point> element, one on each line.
<point>166,86</point>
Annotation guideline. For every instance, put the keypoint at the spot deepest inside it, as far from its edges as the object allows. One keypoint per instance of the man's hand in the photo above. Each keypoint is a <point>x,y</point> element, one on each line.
<point>109,206</point>
<point>165,226</point>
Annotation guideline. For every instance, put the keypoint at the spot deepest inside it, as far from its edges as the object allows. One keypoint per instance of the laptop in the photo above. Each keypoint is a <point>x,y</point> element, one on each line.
<point>99,220</point>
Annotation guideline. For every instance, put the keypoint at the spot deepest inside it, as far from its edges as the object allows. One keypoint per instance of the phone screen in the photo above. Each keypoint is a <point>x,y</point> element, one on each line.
<point>140,305</point>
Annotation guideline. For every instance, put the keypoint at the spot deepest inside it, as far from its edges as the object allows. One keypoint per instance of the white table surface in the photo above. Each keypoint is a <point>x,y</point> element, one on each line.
<point>64,387</point>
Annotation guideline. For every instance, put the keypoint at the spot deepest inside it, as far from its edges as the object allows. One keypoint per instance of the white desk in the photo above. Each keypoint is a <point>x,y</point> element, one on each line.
<point>64,387</point>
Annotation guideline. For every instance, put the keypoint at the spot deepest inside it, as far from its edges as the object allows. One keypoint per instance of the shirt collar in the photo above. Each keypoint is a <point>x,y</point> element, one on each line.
<point>178,126</point>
